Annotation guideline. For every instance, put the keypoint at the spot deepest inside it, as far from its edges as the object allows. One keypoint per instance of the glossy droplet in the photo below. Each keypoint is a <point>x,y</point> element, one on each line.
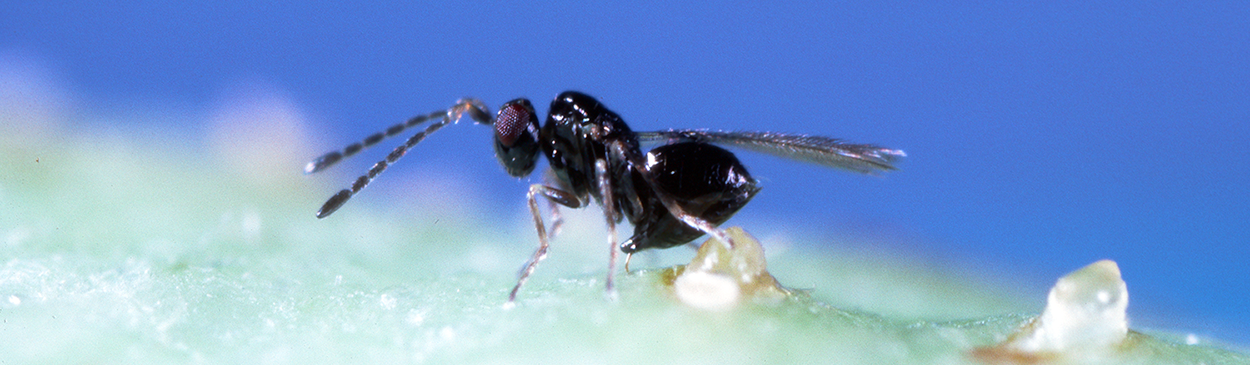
<point>1085,315</point>
<point>720,277</point>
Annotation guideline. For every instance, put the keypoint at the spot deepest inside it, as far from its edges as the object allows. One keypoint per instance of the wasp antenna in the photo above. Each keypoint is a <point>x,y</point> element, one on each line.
<point>329,159</point>
<point>334,203</point>
<point>472,106</point>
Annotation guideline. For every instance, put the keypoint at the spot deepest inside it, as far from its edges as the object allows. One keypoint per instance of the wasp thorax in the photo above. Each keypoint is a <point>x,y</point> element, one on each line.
<point>516,137</point>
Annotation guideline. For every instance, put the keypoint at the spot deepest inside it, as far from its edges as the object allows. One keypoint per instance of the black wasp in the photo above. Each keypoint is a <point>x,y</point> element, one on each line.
<point>672,194</point>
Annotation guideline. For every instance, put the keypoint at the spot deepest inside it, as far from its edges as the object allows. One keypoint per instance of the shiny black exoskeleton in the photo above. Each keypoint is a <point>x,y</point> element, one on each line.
<point>672,194</point>
<point>707,181</point>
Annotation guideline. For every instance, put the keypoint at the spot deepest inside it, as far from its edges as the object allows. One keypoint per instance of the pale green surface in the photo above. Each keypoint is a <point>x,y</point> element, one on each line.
<point>122,249</point>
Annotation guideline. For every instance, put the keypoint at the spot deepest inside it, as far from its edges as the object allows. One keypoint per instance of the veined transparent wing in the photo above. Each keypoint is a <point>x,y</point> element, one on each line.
<point>863,158</point>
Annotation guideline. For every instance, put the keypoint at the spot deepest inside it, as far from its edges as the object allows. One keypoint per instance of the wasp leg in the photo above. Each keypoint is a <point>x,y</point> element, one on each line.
<point>557,219</point>
<point>609,212</point>
<point>553,195</point>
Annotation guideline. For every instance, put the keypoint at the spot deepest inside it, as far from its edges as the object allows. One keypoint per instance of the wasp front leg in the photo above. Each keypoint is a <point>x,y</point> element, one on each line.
<point>553,196</point>
<point>557,219</point>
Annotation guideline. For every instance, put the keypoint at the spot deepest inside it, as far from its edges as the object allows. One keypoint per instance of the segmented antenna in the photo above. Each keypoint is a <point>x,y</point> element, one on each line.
<point>476,109</point>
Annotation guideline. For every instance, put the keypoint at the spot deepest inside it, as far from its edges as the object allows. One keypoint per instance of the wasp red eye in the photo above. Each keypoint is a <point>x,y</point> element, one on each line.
<point>512,122</point>
<point>516,137</point>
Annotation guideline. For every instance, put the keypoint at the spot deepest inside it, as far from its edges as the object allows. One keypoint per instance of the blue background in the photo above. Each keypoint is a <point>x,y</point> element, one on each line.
<point>1041,137</point>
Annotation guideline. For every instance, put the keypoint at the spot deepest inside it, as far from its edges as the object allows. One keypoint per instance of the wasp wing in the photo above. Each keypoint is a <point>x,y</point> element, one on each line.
<point>863,158</point>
